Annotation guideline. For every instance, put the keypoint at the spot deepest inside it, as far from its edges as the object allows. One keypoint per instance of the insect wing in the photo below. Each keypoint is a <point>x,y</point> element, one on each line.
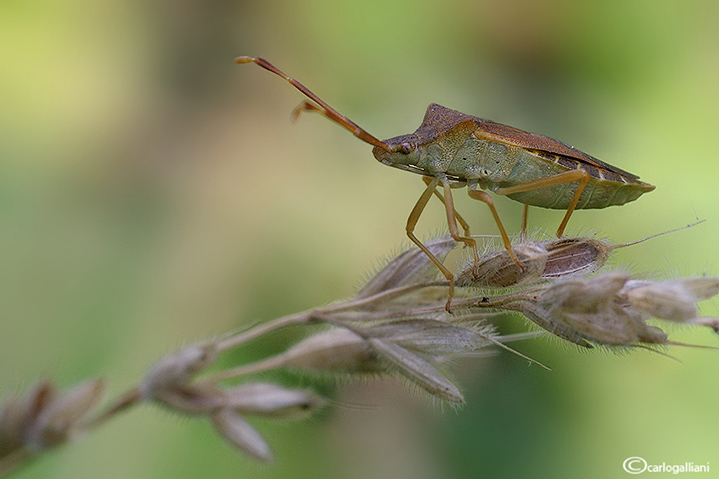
<point>535,141</point>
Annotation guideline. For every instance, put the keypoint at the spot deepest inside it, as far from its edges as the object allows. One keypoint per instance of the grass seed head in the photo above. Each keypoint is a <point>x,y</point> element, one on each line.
<point>542,260</point>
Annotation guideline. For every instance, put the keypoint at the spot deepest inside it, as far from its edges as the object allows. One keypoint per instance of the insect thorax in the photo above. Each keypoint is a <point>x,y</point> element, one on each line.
<point>488,162</point>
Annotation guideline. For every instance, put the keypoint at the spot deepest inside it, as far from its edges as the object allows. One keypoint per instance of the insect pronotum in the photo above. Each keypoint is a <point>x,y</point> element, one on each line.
<point>452,150</point>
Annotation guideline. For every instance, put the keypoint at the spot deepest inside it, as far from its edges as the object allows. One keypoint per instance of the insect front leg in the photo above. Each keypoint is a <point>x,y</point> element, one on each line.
<point>453,217</point>
<point>465,226</point>
<point>559,179</point>
<point>412,222</point>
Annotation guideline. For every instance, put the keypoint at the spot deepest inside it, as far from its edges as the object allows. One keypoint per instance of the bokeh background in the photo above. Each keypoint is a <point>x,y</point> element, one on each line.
<point>154,193</point>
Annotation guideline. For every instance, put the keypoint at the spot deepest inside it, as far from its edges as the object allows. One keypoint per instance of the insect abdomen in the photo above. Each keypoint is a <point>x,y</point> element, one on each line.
<point>605,187</point>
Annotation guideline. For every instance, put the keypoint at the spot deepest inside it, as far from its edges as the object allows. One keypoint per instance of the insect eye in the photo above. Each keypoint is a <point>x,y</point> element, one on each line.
<point>406,148</point>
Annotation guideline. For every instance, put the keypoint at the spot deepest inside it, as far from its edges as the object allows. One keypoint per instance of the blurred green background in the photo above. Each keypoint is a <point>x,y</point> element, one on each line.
<point>154,193</point>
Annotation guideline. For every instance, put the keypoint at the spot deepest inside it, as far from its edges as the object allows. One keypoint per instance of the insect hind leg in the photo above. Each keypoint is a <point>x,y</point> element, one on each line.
<point>558,179</point>
<point>523,229</point>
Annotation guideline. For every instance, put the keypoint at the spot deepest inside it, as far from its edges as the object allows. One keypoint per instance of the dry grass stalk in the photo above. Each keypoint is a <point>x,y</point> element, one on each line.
<point>395,325</point>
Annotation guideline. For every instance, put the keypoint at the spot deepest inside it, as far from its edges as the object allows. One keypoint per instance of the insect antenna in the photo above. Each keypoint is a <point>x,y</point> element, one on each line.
<point>323,107</point>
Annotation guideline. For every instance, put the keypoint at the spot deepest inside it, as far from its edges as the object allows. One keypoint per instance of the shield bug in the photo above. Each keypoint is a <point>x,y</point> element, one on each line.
<point>453,150</point>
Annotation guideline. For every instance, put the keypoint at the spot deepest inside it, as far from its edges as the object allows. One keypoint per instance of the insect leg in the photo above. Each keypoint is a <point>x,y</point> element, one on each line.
<point>412,222</point>
<point>485,197</point>
<point>561,178</point>
<point>573,204</point>
<point>452,220</point>
<point>525,213</point>
<point>462,222</point>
